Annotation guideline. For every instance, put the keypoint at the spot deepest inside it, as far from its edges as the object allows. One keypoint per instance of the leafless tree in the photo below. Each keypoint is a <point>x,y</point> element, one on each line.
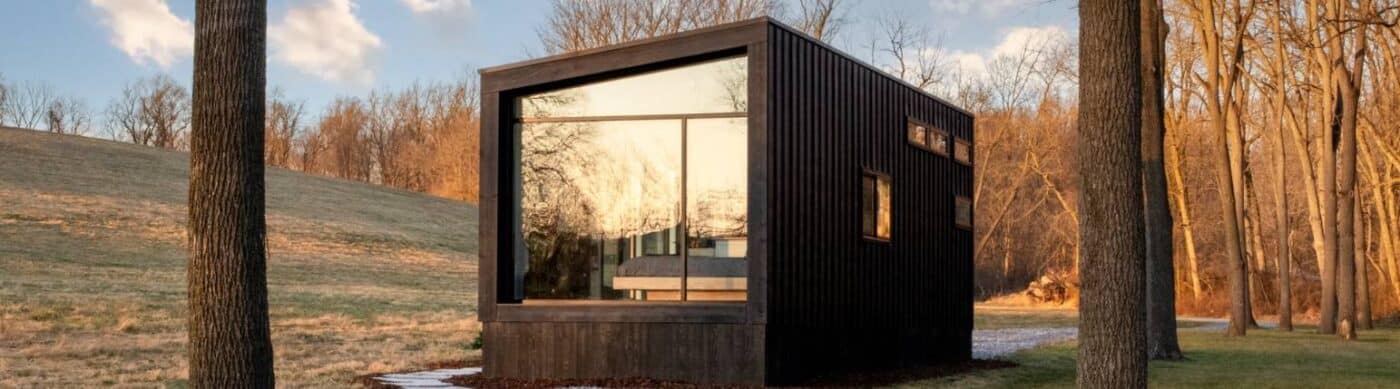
<point>4,96</point>
<point>822,19</point>
<point>27,104</point>
<point>152,111</point>
<point>68,116</point>
<point>282,129</point>
<point>585,24</point>
<point>911,54</point>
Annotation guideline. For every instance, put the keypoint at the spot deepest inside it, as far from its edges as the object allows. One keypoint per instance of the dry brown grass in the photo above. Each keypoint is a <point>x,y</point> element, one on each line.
<point>362,279</point>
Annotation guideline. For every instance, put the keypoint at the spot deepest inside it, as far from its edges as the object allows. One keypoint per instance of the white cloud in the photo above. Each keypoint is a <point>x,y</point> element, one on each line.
<point>449,18</point>
<point>147,31</point>
<point>1013,42</point>
<point>326,40</point>
<point>1017,39</point>
<point>458,7</point>
<point>988,8</point>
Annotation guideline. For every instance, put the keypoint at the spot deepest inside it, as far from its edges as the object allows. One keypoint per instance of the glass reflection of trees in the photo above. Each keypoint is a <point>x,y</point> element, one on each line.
<point>597,193</point>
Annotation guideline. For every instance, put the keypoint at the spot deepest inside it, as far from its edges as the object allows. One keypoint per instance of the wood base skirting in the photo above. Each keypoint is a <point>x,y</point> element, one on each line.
<point>694,352</point>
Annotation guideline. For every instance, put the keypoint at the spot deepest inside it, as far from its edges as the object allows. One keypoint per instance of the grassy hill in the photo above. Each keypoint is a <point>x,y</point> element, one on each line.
<point>361,278</point>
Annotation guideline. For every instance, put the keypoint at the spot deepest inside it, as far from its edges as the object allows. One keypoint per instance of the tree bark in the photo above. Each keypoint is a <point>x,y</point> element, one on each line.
<point>1346,203</point>
<point>1183,208</point>
<point>1161,276</point>
<point>229,338</point>
<point>1284,261</point>
<point>1113,344</point>
<point>1363,282</point>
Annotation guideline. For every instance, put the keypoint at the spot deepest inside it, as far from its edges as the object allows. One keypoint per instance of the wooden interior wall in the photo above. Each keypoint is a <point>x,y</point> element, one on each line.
<point>834,298</point>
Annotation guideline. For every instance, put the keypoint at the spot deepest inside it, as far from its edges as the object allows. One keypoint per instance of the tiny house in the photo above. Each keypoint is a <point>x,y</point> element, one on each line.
<point>736,204</point>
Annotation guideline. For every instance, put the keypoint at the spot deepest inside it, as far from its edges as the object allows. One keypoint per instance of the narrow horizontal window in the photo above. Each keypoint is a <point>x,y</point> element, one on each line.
<point>876,206</point>
<point>938,141</point>
<point>962,152</point>
<point>918,134</point>
<point>963,214</point>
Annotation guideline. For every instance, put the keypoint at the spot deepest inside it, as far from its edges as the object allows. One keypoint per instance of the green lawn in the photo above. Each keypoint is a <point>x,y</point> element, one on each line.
<point>1263,359</point>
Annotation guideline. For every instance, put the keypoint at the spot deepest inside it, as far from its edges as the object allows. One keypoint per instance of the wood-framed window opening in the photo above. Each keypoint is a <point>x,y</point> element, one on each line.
<point>876,206</point>
<point>962,151</point>
<point>962,213</point>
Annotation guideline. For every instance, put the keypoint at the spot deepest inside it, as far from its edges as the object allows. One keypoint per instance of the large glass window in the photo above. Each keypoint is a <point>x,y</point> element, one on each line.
<point>637,188</point>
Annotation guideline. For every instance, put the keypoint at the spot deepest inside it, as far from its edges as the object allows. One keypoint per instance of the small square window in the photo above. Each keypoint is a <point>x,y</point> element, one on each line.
<point>938,141</point>
<point>962,215</point>
<point>875,206</point>
<point>918,134</point>
<point>962,152</point>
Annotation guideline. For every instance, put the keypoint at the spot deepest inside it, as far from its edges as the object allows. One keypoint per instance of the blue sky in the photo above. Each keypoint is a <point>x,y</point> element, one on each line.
<point>320,49</point>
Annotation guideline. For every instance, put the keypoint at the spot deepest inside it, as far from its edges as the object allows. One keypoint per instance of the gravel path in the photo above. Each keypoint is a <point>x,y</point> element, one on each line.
<point>426,379</point>
<point>990,344</point>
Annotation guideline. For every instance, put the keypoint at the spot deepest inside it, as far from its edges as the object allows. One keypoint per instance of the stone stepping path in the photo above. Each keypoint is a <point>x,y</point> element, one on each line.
<point>426,379</point>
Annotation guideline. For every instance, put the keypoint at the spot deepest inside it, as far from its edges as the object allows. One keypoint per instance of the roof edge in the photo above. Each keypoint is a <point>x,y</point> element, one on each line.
<point>867,65</point>
<point>732,25</point>
<point>624,45</point>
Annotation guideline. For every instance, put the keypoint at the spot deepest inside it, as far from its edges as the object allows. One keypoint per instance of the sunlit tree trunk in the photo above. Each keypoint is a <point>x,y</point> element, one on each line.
<point>1363,283</point>
<point>1284,259</point>
<point>229,342</point>
<point>1113,344</point>
<point>1219,92</point>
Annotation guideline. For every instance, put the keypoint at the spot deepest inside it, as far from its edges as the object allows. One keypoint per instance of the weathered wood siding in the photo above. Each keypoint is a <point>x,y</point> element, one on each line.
<point>694,352</point>
<point>835,299</point>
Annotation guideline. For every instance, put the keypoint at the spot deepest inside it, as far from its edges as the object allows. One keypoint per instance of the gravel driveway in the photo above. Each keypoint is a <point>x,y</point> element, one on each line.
<point>989,344</point>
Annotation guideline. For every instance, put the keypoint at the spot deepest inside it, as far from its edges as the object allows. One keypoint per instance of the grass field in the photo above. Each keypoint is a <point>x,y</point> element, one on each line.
<point>361,278</point>
<point>1263,359</point>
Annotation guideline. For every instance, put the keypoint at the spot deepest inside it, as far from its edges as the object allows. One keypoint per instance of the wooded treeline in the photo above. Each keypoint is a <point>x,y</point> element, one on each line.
<point>1281,159</point>
<point>421,138</point>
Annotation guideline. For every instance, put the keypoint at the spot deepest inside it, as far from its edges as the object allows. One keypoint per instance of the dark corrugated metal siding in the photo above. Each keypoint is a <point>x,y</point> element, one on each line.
<point>834,298</point>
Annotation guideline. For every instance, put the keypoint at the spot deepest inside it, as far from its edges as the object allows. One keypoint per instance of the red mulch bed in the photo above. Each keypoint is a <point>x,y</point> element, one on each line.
<point>855,379</point>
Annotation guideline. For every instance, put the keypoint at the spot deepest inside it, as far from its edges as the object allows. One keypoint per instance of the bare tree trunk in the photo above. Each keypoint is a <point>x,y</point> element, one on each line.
<point>1363,282</point>
<point>1113,344</point>
<point>1346,204</point>
<point>1184,209</point>
<point>1327,322</point>
<point>1220,79</point>
<point>1161,277</point>
<point>229,342</point>
<point>1284,259</point>
<point>1254,239</point>
<point>1383,226</point>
